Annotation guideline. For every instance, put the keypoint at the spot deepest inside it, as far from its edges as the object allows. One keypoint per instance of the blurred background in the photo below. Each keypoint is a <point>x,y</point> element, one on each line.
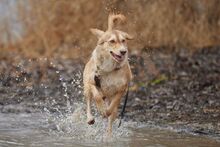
<point>61,28</point>
<point>174,57</point>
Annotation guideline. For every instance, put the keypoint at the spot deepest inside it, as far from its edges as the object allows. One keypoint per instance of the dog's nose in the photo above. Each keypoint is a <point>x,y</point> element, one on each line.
<point>123,52</point>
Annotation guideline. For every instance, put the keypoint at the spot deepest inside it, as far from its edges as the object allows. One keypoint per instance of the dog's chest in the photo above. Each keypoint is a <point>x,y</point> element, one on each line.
<point>113,83</point>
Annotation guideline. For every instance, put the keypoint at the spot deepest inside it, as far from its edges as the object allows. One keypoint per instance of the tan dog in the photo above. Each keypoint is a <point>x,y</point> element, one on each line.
<point>107,74</point>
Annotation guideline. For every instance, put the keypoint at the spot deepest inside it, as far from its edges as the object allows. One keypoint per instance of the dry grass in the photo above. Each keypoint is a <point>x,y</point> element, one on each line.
<point>61,28</point>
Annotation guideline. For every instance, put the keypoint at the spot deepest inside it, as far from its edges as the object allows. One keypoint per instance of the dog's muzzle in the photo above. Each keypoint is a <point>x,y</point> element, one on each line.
<point>118,58</point>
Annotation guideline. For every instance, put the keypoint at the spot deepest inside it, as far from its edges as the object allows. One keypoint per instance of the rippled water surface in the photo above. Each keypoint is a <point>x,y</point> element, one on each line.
<point>45,129</point>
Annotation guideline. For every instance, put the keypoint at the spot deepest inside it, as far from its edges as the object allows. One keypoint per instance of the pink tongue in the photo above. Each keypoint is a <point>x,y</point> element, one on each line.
<point>118,56</point>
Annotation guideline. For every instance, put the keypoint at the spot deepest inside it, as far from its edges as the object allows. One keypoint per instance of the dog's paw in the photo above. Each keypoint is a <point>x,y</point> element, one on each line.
<point>91,121</point>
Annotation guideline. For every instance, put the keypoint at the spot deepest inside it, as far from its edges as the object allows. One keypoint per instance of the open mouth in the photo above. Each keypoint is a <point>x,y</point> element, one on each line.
<point>118,58</point>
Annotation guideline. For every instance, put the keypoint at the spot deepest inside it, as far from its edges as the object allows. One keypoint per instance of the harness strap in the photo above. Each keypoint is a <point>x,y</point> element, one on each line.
<point>124,106</point>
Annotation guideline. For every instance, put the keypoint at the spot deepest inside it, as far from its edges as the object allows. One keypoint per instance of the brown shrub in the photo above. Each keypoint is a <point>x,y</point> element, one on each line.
<point>61,28</point>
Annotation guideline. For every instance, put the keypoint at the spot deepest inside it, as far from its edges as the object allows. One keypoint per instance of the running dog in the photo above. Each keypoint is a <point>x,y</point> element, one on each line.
<point>107,74</point>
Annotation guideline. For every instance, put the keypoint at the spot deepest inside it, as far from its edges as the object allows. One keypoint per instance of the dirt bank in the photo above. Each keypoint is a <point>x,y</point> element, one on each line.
<point>182,91</point>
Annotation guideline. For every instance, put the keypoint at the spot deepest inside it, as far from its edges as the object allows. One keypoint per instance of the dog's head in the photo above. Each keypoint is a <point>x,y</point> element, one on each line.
<point>114,42</point>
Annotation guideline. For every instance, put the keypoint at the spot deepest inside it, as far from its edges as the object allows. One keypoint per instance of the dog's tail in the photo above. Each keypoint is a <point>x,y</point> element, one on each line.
<point>113,18</point>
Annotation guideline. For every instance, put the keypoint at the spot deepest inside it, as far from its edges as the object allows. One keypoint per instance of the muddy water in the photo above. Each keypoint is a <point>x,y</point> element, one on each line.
<point>70,129</point>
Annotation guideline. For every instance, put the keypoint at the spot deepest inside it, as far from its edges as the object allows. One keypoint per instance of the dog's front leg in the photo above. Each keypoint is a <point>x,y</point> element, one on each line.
<point>99,99</point>
<point>111,119</point>
<point>90,118</point>
<point>114,103</point>
<point>88,96</point>
<point>112,111</point>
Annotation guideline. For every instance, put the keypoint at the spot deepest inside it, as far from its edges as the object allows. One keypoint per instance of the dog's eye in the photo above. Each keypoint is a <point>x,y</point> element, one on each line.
<point>112,41</point>
<point>123,41</point>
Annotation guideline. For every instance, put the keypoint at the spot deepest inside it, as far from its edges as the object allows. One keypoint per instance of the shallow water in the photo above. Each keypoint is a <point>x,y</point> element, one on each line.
<point>45,129</point>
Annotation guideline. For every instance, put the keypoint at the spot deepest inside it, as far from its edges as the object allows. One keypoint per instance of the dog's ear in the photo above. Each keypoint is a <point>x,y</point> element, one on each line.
<point>129,37</point>
<point>97,32</point>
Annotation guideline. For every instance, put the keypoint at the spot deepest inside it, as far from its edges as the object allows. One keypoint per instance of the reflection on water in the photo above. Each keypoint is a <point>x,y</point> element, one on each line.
<point>45,129</point>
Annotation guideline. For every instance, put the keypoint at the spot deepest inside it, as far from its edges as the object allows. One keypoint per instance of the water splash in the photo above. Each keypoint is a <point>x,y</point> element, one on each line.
<point>74,125</point>
<point>64,85</point>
